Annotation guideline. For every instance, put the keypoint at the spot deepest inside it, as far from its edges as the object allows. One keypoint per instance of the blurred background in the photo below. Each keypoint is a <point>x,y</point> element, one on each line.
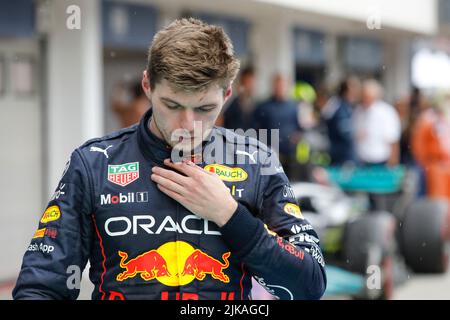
<point>369,82</point>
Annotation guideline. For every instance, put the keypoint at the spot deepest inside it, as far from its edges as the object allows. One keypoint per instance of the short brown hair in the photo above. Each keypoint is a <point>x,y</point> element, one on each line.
<point>191,55</point>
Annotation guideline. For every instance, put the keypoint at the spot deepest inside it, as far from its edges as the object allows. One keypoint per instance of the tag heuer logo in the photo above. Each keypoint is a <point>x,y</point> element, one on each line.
<point>123,174</point>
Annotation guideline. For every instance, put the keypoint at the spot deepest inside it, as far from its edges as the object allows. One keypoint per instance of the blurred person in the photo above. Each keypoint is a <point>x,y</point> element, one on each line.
<point>313,145</point>
<point>337,115</point>
<point>430,142</point>
<point>376,128</point>
<point>156,227</point>
<point>407,121</point>
<point>409,109</point>
<point>323,95</point>
<point>239,113</point>
<point>129,103</point>
<point>418,102</point>
<point>280,113</point>
<point>415,98</point>
<point>403,108</point>
<point>306,96</point>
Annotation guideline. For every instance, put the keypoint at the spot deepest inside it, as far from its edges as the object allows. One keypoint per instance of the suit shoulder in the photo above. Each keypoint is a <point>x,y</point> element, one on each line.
<point>112,137</point>
<point>241,139</point>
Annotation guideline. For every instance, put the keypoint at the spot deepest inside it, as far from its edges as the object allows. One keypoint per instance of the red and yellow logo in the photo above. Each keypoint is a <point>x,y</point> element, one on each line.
<point>227,173</point>
<point>293,209</point>
<point>40,233</point>
<point>174,264</point>
<point>51,214</point>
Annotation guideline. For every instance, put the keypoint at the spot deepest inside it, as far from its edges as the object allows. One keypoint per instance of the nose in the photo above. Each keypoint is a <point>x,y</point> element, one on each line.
<point>187,119</point>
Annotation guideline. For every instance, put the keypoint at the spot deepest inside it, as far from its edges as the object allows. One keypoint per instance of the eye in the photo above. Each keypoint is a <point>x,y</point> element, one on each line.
<point>173,107</point>
<point>204,109</point>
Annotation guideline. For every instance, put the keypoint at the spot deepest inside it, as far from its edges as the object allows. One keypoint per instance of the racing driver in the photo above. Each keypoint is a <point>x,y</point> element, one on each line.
<point>174,207</point>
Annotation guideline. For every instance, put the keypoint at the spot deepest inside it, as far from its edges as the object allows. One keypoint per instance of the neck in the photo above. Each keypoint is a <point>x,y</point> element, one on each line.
<point>154,128</point>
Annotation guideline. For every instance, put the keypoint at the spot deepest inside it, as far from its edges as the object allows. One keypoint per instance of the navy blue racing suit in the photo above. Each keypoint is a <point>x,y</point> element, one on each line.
<point>141,244</point>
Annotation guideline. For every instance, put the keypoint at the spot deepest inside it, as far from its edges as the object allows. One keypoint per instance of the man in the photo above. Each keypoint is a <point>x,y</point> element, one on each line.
<point>430,141</point>
<point>280,113</point>
<point>239,114</point>
<point>156,229</point>
<point>337,115</point>
<point>377,128</point>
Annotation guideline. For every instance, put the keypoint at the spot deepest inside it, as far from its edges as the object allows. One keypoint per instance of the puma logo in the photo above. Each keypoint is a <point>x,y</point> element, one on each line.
<point>104,151</point>
<point>250,155</point>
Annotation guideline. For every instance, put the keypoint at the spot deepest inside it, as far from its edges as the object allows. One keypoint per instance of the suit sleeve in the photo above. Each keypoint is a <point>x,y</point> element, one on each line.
<point>281,249</point>
<point>58,252</point>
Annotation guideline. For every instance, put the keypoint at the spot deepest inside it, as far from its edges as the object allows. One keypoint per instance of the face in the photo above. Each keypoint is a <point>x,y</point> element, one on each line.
<point>184,119</point>
<point>368,97</point>
<point>279,87</point>
<point>354,91</point>
<point>248,83</point>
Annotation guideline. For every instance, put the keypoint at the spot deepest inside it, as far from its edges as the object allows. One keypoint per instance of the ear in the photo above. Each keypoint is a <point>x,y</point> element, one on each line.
<point>228,93</point>
<point>146,84</point>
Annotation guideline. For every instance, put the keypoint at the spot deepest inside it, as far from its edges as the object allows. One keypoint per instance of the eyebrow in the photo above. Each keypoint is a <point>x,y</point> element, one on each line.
<point>168,100</point>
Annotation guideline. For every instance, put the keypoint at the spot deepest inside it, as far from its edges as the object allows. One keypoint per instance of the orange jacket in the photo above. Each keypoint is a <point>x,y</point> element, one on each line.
<point>431,148</point>
<point>431,140</point>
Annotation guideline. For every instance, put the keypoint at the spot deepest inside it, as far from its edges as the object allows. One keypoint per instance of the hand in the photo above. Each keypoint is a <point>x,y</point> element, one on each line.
<point>201,192</point>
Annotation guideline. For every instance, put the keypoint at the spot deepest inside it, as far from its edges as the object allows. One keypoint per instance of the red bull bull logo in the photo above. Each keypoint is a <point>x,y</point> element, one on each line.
<point>199,264</point>
<point>149,265</point>
<point>174,264</point>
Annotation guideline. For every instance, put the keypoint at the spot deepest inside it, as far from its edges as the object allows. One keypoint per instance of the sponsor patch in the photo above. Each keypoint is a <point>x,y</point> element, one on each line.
<point>293,209</point>
<point>51,232</point>
<point>51,214</point>
<point>123,174</point>
<point>130,197</point>
<point>291,249</point>
<point>39,234</point>
<point>41,247</point>
<point>227,173</point>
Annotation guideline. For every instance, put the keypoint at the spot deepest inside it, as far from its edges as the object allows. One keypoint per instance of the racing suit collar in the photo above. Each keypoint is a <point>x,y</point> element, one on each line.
<point>152,147</point>
<point>156,149</point>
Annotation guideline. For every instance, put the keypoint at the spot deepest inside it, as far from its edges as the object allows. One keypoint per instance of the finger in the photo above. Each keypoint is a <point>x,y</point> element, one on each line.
<point>171,175</point>
<point>195,166</point>
<point>168,184</point>
<point>182,167</point>
<point>175,196</point>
